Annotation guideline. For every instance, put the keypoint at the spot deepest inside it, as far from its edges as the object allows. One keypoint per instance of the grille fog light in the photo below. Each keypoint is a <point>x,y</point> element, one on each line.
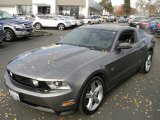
<point>35,83</point>
<point>11,74</point>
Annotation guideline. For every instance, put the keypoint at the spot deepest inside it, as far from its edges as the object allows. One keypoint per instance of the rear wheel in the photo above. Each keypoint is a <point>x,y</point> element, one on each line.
<point>61,26</point>
<point>92,96</point>
<point>147,64</point>
<point>10,35</point>
<point>89,22</point>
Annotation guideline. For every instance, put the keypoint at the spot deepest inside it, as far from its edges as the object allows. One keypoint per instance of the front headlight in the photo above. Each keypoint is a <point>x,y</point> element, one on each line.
<point>18,26</point>
<point>58,85</point>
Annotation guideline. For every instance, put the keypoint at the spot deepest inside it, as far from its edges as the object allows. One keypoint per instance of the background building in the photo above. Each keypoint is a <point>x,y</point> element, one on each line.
<point>66,7</point>
<point>16,6</point>
<point>75,8</point>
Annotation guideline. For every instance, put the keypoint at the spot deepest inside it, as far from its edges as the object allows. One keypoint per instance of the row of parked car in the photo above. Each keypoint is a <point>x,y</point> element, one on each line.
<point>151,25</point>
<point>15,26</point>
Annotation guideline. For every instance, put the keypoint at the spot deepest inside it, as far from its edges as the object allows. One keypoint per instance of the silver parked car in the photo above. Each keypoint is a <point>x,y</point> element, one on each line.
<point>78,71</point>
<point>94,19</point>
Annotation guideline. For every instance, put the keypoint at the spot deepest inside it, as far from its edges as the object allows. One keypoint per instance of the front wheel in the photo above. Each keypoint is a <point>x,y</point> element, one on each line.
<point>92,96</point>
<point>38,26</point>
<point>10,35</point>
<point>99,22</point>
<point>147,64</point>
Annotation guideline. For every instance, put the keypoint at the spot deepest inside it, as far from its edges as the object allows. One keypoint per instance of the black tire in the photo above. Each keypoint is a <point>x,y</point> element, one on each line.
<point>89,22</point>
<point>10,35</point>
<point>146,66</point>
<point>96,97</point>
<point>61,26</point>
<point>99,22</point>
<point>38,26</point>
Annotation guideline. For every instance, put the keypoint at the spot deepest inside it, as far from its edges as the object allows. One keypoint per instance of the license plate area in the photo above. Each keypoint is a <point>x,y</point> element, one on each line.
<point>14,95</point>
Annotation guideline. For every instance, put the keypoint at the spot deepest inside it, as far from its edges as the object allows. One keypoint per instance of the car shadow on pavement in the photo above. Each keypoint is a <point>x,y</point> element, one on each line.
<point>2,46</point>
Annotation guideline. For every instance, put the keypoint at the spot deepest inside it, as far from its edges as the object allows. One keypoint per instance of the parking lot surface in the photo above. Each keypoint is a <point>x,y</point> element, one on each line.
<point>137,98</point>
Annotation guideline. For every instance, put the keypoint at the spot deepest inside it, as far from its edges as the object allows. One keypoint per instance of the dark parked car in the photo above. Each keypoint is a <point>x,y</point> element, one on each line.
<point>15,27</point>
<point>135,22</point>
<point>2,34</point>
<point>149,24</point>
<point>77,71</point>
<point>157,29</point>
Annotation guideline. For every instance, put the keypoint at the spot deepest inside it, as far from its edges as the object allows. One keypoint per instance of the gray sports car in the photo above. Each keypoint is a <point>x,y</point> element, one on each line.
<point>77,71</point>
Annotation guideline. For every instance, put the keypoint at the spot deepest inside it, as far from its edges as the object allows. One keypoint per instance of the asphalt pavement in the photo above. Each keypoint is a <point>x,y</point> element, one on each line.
<point>137,98</point>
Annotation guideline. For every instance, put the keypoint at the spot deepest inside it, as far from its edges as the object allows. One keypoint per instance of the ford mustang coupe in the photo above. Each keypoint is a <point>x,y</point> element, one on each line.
<point>80,69</point>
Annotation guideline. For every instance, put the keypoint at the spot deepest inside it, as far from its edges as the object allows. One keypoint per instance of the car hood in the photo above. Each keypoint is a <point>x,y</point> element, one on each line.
<point>15,21</point>
<point>50,62</point>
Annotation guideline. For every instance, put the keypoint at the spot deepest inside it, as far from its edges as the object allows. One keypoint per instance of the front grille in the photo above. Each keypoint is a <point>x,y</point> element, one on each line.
<point>27,81</point>
<point>28,26</point>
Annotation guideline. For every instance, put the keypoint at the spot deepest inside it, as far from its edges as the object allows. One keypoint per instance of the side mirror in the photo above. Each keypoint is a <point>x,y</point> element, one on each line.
<point>124,46</point>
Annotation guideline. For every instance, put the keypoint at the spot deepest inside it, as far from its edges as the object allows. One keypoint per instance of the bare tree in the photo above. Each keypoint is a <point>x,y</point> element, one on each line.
<point>141,6</point>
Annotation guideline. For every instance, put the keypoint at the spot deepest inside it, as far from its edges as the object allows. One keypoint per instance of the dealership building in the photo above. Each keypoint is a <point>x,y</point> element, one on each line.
<point>75,8</point>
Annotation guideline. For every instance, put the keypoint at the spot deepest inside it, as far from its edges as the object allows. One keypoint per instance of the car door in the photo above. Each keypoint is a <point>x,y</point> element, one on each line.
<point>124,61</point>
<point>52,21</point>
<point>43,20</point>
<point>92,19</point>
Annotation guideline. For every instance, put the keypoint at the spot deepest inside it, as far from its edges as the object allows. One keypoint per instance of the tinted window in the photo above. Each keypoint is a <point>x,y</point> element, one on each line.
<point>156,20</point>
<point>5,15</point>
<point>92,38</point>
<point>127,36</point>
<point>43,17</point>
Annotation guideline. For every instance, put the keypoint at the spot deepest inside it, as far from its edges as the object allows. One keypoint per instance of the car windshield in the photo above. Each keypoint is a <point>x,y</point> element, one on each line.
<point>97,39</point>
<point>5,15</point>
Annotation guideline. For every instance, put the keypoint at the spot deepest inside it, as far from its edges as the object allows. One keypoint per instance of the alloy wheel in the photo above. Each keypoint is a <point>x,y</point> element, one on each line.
<point>8,36</point>
<point>61,27</point>
<point>38,26</point>
<point>148,63</point>
<point>94,95</point>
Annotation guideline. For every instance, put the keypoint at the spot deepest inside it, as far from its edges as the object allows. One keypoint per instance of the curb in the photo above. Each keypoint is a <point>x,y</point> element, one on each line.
<point>42,34</point>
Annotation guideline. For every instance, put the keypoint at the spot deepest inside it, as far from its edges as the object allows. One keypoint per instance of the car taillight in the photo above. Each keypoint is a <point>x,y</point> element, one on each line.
<point>129,21</point>
<point>148,24</point>
<point>158,25</point>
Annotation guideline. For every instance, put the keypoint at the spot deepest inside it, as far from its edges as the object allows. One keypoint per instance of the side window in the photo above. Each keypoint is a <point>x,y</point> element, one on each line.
<point>141,35</point>
<point>127,36</point>
<point>92,17</point>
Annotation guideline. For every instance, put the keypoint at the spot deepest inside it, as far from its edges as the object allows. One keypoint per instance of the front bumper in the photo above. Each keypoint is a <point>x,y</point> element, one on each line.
<point>68,25</point>
<point>50,101</point>
<point>24,33</point>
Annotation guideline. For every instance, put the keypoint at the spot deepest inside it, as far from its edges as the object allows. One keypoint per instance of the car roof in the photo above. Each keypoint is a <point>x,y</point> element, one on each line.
<point>111,27</point>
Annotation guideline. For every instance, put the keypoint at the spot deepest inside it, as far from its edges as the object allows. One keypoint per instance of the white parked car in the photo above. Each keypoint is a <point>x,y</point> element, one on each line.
<point>50,21</point>
<point>67,18</point>
<point>93,20</point>
<point>78,22</point>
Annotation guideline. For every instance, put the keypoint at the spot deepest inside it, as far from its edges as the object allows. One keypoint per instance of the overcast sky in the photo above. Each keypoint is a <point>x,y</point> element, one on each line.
<point>119,2</point>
